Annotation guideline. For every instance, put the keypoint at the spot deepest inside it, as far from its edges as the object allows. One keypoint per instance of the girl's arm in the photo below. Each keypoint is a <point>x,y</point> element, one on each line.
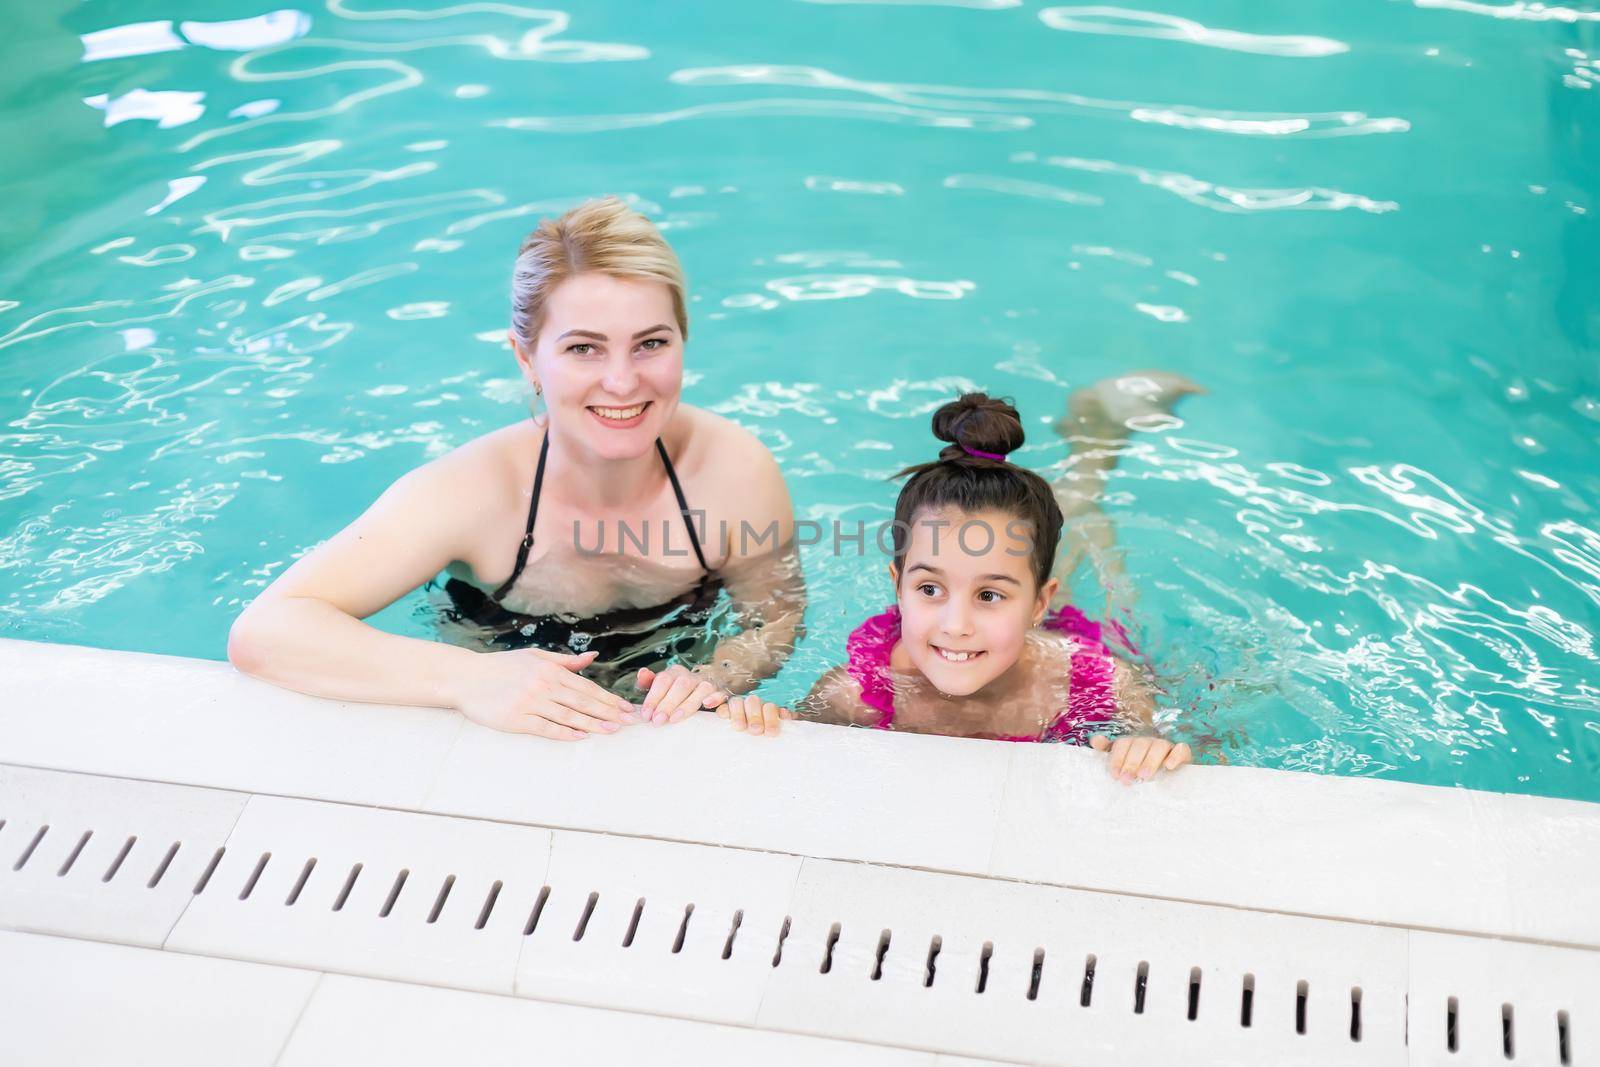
<point>1145,752</point>
<point>834,699</point>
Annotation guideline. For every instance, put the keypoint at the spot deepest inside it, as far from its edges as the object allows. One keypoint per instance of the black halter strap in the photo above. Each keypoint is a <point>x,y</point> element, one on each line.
<point>683,505</point>
<point>533,513</point>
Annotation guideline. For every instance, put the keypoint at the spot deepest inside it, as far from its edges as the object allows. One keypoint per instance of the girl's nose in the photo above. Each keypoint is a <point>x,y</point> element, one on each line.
<point>621,377</point>
<point>957,618</point>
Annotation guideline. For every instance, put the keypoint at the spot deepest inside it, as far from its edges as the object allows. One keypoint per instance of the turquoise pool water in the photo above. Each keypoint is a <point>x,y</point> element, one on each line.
<point>256,269</point>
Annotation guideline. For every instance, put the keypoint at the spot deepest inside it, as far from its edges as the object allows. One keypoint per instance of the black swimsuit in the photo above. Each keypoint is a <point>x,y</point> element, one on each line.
<point>624,638</point>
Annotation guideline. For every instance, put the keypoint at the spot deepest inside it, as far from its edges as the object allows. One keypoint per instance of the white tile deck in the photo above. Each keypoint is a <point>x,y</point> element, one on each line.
<point>1396,890</point>
<point>85,1002</point>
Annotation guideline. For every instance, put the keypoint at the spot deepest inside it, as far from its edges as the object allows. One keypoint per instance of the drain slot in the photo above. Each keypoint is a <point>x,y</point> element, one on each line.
<point>394,893</point>
<point>205,875</point>
<point>1088,981</point>
<point>1505,1031</point>
<point>1450,1039</point>
<point>1247,1000</point>
<point>1140,981</point>
<point>27,853</point>
<point>683,929</point>
<point>538,909</point>
<point>733,932</point>
<point>161,868</point>
<point>933,956</point>
<point>583,920</point>
<point>488,906</point>
<point>67,866</point>
<point>300,883</point>
<point>349,884</point>
<point>255,876</point>
<point>1038,974</point>
<point>116,864</point>
<point>783,935</point>
<point>827,952</point>
<point>883,950</point>
<point>1564,1037</point>
<point>633,923</point>
<point>983,965</point>
<point>1355,1013</point>
<point>1301,990</point>
<point>444,895</point>
<point>1194,993</point>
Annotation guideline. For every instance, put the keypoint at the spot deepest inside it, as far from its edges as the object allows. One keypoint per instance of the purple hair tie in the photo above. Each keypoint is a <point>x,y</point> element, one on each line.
<point>984,455</point>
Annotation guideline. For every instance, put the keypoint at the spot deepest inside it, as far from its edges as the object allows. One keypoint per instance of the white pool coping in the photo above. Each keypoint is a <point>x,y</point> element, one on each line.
<point>1366,850</point>
<point>1414,859</point>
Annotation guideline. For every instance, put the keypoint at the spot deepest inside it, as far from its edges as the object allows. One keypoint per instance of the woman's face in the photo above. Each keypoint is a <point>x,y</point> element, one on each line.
<point>610,360</point>
<point>967,597</point>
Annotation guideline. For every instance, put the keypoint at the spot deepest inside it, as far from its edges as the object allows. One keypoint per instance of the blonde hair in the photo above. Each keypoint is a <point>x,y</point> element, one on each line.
<point>603,235</point>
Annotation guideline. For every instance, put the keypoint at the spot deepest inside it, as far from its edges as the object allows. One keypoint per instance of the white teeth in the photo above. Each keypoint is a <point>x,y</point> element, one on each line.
<point>618,414</point>
<point>955,657</point>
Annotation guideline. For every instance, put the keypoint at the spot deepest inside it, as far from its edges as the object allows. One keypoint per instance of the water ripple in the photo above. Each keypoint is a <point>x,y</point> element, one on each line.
<point>1222,197</point>
<point>1130,22</point>
<point>1244,123</point>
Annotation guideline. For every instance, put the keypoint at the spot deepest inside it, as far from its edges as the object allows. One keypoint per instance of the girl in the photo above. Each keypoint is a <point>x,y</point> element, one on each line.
<point>973,646</point>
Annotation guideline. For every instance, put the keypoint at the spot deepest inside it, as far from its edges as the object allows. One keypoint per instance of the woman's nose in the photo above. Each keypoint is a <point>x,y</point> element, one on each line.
<point>621,376</point>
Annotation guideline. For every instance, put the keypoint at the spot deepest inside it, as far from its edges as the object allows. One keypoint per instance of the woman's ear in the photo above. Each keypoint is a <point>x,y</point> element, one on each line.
<point>1041,603</point>
<point>524,358</point>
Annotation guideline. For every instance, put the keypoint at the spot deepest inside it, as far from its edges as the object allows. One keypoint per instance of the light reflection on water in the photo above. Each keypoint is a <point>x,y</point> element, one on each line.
<point>265,262</point>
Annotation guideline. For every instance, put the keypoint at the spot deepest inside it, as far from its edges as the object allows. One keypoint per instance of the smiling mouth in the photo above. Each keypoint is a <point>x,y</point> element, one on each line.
<point>950,655</point>
<point>627,414</point>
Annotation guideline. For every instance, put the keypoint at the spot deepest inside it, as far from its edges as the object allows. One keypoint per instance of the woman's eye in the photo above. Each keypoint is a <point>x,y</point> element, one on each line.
<point>654,342</point>
<point>580,349</point>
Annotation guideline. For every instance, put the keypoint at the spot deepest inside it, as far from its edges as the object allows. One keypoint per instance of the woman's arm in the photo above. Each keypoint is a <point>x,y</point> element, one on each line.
<point>762,574</point>
<point>304,632</point>
<point>751,520</point>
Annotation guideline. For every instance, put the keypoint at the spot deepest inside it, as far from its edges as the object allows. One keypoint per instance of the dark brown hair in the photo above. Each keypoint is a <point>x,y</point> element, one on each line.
<point>969,483</point>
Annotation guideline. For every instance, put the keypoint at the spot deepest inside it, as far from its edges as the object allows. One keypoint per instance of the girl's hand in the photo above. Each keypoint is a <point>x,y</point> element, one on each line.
<point>531,691</point>
<point>753,715</point>
<point>1140,757</point>
<point>676,693</point>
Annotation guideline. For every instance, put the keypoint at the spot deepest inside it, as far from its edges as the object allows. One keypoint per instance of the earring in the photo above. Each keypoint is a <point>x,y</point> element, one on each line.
<point>538,390</point>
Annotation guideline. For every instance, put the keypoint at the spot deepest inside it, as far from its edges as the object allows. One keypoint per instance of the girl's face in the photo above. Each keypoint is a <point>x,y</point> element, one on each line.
<point>967,597</point>
<point>610,360</point>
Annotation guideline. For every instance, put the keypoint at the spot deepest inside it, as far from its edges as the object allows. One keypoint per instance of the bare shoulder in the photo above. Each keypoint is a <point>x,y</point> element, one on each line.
<point>734,477</point>
<point>713,445</point>
<point>476,487</point>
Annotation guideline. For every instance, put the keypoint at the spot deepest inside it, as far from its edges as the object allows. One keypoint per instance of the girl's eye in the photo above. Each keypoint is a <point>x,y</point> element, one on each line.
<point>991,596</point>
<point>654,342</point>
<point>928,589</point>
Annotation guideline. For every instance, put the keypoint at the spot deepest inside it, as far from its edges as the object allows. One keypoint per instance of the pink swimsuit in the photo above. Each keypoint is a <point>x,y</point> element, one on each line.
<point>1091,698</point>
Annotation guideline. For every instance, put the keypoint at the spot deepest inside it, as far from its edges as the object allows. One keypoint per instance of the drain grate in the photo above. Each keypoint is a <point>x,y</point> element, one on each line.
<point>888,955</point>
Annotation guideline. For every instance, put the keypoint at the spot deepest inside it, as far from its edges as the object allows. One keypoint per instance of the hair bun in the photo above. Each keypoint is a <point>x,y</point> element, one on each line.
<point>978,422</point>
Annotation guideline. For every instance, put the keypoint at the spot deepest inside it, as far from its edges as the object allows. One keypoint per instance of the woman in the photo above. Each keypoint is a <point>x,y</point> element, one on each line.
<point>599,532</point>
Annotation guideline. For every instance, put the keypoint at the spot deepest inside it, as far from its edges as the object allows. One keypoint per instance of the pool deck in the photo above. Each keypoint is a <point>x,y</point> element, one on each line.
<point>1370,921</point>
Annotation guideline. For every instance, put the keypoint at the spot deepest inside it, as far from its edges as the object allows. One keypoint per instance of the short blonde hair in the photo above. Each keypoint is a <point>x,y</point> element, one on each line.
<point>603,235</point>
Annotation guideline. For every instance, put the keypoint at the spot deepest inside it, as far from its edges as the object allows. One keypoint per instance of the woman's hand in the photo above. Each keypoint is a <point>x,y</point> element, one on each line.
<point>676,693</point>
<point>1140,757</point>
<point>753,715</point>
<point>531,691</point>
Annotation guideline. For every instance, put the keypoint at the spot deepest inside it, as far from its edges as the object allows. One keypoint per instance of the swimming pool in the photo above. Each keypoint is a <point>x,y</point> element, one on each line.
<point>256,269</point>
